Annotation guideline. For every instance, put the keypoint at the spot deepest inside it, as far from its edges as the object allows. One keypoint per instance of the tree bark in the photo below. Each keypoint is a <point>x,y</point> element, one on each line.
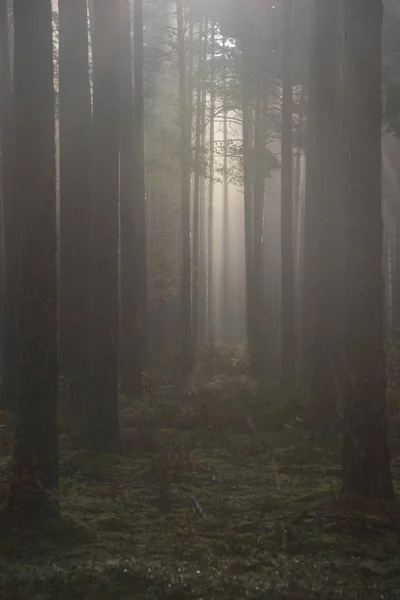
<point>210,286</point>
<point>226,304</point>
<point>258,214</point>
<point>202,293</point>
<point>202,48</point>
<point>323,236</point>
<point>132,205</point>
<point>366,467</point>
<point>141,305</point>
<point>34,486</point>
<point>75,201</point>
<point>186,304</point>
<point>11,226</point>
<point>248,193</point>
<point>287,301</point>
<point>102,426</point>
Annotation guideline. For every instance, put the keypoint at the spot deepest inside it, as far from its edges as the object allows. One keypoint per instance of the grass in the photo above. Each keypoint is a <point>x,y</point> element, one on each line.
<point>218,495</point>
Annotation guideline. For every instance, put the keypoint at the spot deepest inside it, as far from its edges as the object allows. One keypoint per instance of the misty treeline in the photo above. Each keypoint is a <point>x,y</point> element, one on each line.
<point>179,174</point>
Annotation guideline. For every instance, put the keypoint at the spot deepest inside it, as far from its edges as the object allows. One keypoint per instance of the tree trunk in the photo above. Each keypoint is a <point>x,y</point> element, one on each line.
<point>323,234</point>
<point>258,214</point>
<point>11,225</point>
<point>202,293</point>
<point>186,308</point>
<point>132,205</point>
<point>75,201</point>
<point>396,280</point>
<point>102,426</point>
<point>248,196</point>
<point>34,487</point>
<point>210,286</point>
<point>202,48</point>
<point>226,304</point>
<point>366,467</point>
<point>141,304</point>
<point>287,308</point>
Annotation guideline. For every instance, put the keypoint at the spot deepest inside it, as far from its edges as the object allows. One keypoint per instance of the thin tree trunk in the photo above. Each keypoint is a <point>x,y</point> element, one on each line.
<point>186,308</point>
<point>396,280</point>
<point>323,234</point>
<point>102,425</point>
<point>190,75</point>
<point>202,48</point>
<point>132,206</point>
<point>248,197</point>
<point>75,201</point>
<point>366,467</point>
<point>142,349</point>
<point>202,293</point>
<point>258,214</point>
<point>11,226</point>
<point>210,286</point>
<point>33,491</point>
<point>226,304</point>
<point>287,309</point>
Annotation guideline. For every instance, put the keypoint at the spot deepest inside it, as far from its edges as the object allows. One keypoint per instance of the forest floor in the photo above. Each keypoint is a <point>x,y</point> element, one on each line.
<point>219,495</point>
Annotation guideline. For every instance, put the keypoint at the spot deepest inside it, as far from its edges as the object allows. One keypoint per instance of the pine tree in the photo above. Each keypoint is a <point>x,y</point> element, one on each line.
<point>102,424</point>
<point>33,492</point>
<point>75,200</point>
<point>366,468</point>
<point>11,226</point>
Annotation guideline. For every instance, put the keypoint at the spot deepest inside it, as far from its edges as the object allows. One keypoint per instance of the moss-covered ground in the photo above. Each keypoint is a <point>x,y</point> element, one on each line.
<point>219,494</point>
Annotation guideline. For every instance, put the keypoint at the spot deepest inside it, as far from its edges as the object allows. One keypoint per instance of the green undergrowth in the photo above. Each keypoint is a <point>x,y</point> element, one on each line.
<point>219,494</point>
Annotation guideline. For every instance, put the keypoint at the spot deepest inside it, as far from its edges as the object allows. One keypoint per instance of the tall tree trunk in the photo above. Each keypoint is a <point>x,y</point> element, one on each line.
<point>132,205</point>
<point>202,47</point>
<point>186,307</point>
<point>258,214</point>
<point>210,286</point>
<point>323,234</point>
<point>287,301</point>
<point>33,492</point>
<point>11,226</point>
<point>102,426</point>
<point>226,304</point>
<point>202,293</point>
<point>248,195</point>
<point>366,467</point>
<point>141,305</point>
<point>75,201</point>
<point>190,74</point>
<point>396,279</point>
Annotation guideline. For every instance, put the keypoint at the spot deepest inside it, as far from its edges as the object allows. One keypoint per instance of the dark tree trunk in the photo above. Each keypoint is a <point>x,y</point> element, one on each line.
<point>33,492</point>
<point>210,278</point>
<point>141,305</point>
<point>202,292</point>
<point>366,467</point>
<point>287,301</point>
<point>186,303</point>
<point>102,426</point>
<point>396,281</point>
<point>132,200</point>
<point>226,303</point>
<point>11,225</point>
<point>202,47</point>
<point>75,201</point>
<point>323,237</point>
<point>258,214</point>
<point>248,196</point>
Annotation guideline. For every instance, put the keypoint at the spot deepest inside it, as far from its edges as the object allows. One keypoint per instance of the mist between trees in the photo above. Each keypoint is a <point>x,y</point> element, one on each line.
<point>200,269</point>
